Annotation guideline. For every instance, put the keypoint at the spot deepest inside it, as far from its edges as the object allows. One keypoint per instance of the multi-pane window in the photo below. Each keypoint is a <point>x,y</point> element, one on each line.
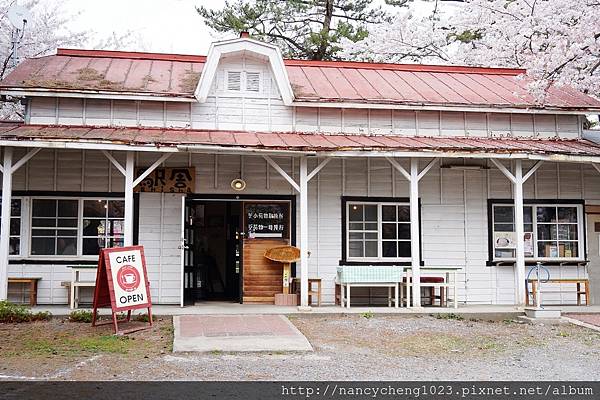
<point>14,244</point>
<point>75,227</point>
<point>54,227</point>
<point>102,225</point>
<point>378,231</point>
<point>550,231</point>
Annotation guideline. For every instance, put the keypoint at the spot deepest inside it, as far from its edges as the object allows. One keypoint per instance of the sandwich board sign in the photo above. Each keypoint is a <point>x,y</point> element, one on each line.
<point>122,284</point>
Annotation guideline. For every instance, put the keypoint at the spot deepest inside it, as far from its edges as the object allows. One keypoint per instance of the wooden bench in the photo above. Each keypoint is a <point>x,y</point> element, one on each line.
<point>32,282</point>
<point>577,281</point>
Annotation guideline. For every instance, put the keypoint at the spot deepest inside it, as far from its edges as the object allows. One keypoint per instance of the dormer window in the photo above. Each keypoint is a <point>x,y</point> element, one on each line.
<point>238,81</point>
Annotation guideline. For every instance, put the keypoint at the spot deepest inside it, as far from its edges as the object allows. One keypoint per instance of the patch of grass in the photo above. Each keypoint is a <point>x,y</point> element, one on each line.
<point>450,316</point>
<point>74,345</point>
<point>367,315</point>
<point>141,318</point>
<point>81,316</point>
<point>216,352</point>
<point>11,313</point>
<point>563,334</point>
<point>189,81</point>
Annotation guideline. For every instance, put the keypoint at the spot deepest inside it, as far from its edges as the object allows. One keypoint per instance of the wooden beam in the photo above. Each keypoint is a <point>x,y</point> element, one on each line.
<point>25,158</point>
<point>114,161</point>
<point>318,168</point>
<point>427,168</point>
<point>529,173</point>
<point>151,168</point>
<point>399,167</point>
<point>282,172</point>
<point>504,170</point>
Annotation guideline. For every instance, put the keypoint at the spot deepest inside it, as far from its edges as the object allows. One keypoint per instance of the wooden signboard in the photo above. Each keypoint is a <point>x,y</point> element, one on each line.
<point>168,180</point>
<point>122,284</point>
<point>267,220</point>
<point>285,255</point>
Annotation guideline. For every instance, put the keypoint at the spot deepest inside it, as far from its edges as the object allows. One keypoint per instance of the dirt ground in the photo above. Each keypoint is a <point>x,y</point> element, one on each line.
<point>353,347</point>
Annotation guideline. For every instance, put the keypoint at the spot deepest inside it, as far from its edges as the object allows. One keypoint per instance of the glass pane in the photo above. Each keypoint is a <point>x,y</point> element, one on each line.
<point>92,246</point>
<point>117,227</point>
<point>67,222</point>
<point>15,208</point>
<point>354,226</point>
<point>389,231</point>
<point>94,209</point>
<point>568,249</point>
<point>403,249</point>
<point>503,214</point>
<point>66,232</point>
<point>116,242</point>
<point>14,246</point>
<point>528,227</point>
<point>94,227</point>
<point>15,226</point>
<point>355,212</point>
<point>66,246</point>
<point>505,253</point>
<point>43,246</point>
<point>390,249</point>
<point>546,214</point>
<point>404,213</point>
<point>527,215</point>
<point>567,232</point>
<point>504,227</point>
<point>370,213</point>
<point>567,214</point>
<point>67,208</point>
<point>43,208</point>
<point>547,249</point>
<point>43,222</point>
<point>371,227</point>
<point>371,235</point>
<point>356,235</point>
<point>43,232</point>
<point>546,232</point>
<point>116,209</point>
<point>355,249</point>
<point>388,213</point>
<point>371,249</point>
<point>403,231</point>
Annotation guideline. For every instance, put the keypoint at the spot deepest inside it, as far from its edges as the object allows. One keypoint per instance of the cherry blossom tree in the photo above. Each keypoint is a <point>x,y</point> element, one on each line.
<point>47,31</point>
<point>556,41</point>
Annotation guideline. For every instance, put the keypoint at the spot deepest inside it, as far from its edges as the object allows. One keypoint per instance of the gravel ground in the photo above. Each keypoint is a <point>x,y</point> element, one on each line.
<point>350,347</point>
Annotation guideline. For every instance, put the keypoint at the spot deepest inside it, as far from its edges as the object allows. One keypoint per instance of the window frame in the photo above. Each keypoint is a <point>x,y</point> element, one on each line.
<point>79,241</point>
<point>347,201</point>
<point>22,225</point>
<point>534,204</point>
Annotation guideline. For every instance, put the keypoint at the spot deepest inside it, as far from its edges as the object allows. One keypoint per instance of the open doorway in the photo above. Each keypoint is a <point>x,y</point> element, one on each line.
<point>213,260</point>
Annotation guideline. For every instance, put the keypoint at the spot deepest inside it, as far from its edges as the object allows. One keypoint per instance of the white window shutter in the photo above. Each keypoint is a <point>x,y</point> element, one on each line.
<point>252,81</point>
<point>234,80</point>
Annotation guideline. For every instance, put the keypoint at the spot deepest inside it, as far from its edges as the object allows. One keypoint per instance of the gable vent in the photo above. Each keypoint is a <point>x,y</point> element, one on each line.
<point>234,80</point>
<point>252,81</point>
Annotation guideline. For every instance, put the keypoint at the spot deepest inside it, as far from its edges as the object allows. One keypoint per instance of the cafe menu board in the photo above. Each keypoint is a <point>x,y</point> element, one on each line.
<point>267,220</point>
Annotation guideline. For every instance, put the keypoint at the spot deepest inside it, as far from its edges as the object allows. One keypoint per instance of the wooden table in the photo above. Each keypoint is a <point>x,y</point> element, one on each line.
<point>578,282</point>
<point>432,270</point>
<point>33,283</point>
<point>76,283</point>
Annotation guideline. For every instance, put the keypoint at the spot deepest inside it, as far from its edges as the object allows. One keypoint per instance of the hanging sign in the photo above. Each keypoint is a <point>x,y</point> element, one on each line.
<point>122,283</point>
<point>168,180</point>
<point>267,220</point>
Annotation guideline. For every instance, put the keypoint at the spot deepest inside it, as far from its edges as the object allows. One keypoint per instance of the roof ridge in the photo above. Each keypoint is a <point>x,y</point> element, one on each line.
<point>295,62</point>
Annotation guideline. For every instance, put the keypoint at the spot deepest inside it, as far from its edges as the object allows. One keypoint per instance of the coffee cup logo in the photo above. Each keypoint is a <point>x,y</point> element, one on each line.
<point>128,278</point>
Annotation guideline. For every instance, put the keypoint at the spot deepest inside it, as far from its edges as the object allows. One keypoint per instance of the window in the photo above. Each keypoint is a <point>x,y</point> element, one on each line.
<point>14,241</point>
<point>551,231</point>
<point>377,231</point>
<point>75,227</point>
<point>102,225</point>
<point>238,81</point>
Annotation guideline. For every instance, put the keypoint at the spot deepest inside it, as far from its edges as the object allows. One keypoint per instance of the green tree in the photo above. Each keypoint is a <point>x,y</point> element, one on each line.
<point>309,29</point>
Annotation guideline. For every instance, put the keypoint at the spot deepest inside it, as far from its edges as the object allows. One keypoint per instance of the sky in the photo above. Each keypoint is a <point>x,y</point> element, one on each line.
<point>165,26</point>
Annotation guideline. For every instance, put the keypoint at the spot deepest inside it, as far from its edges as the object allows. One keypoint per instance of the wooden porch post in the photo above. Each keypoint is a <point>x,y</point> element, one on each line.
<point>129,176</point>
<point>5,223</point>
<point>303,231</point>
<point>415,234</point>
<point>520,232</point>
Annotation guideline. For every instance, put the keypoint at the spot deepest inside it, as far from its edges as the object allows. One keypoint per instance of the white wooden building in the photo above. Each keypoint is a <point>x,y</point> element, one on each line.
<point>366,163</point>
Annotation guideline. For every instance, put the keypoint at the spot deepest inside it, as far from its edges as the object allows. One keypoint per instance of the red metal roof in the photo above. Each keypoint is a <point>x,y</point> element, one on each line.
<point>309,142</point>
<point>177,75</point>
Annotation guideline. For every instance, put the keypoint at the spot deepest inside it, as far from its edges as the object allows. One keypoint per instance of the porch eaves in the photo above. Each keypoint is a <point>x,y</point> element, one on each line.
<point>332,145</point>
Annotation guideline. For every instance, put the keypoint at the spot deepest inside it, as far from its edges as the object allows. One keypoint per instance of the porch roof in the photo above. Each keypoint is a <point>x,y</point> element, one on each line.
<point>159,139</point>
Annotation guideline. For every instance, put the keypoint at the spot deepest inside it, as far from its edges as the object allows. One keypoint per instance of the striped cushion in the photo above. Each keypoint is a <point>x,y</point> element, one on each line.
<point>369,274</point>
